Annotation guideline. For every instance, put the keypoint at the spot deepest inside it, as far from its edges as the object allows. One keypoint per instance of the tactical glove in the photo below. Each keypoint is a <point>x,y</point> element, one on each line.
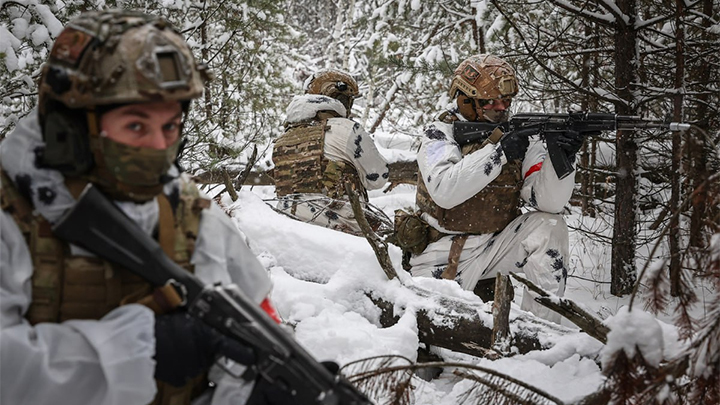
<point>186,347</point>
<point>571,141</point>
<point>514,146</point>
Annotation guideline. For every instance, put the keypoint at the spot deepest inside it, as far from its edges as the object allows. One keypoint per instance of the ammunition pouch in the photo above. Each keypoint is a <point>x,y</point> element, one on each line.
<point>411,232</point>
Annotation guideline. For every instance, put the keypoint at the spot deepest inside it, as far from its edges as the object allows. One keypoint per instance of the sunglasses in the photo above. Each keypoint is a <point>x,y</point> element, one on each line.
<point>481,103</point>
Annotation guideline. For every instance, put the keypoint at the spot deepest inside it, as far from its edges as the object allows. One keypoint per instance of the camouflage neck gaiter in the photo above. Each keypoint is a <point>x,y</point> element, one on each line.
<point>133,173</point>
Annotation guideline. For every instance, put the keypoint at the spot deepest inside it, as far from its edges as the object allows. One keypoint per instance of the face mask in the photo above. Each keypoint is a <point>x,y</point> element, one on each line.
<point>138,166</point>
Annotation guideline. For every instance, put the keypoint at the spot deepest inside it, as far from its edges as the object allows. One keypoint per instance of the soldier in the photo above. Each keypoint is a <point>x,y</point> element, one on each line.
<point>470,196</point>
<point>322,150</point>
<point>112,99</point>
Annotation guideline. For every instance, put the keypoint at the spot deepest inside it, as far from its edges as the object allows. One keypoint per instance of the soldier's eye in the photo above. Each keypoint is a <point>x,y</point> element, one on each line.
<point>135,126</point>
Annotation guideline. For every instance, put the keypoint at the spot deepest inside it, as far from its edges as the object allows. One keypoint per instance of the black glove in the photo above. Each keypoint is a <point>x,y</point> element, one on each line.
<point>571,141</point>
<point>186,347</point>
<point>514,146</point>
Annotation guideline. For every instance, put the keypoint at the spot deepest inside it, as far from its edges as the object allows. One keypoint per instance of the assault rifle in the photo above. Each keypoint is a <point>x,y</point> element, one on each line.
<point>550,126</point>
<point>97,225</point>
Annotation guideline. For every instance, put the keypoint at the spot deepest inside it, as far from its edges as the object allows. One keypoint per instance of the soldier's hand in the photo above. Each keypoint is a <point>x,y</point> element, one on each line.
<point>514,146</point>
<point>186,347</point>
<point>571,141</point>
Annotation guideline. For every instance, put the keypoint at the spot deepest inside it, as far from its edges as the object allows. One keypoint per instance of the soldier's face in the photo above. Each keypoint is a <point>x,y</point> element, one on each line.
<point>150,125</point>
<point>500,104</point>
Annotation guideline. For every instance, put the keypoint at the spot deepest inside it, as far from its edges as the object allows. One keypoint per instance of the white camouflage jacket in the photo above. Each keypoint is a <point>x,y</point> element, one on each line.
<point>451,179</point>
<point>104,362</point>
<point>345,140</point>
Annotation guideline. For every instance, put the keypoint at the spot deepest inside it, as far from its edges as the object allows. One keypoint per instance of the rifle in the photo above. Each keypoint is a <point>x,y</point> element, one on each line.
<point>550,126</point>
<point>97,225</point>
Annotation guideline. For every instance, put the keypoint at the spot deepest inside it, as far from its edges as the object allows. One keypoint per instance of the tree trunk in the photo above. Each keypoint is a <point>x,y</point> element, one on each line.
<point>349,12</point>
<point>674,231</point>
<point>205,56</point>
<point>623,269</point>
<point>587,155</point>
<point>477,32</point>
<point>501,313</point>
<point>697,153</point>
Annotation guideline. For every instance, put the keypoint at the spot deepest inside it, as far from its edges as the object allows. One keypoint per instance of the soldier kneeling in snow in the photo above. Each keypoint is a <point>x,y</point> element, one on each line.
<point>321,151</point>
<point>468,197</point>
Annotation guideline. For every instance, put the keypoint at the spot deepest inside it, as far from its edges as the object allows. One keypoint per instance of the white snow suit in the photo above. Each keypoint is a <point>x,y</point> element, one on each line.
<point>106,361</point>
<point>344,141</point>
<point>535,243</point>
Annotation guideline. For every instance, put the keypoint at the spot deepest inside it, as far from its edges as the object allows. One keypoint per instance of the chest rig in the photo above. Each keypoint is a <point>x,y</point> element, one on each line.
<point>301,166</point>
<point>488,211</point>
<point>67,286</point>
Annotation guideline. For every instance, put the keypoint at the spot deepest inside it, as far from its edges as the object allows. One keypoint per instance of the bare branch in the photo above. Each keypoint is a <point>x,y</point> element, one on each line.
<point>378,245</point>
<point>567,308</point>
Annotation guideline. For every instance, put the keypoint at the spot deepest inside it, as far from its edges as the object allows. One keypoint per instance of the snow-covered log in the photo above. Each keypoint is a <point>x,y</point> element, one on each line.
<point>460,326</point>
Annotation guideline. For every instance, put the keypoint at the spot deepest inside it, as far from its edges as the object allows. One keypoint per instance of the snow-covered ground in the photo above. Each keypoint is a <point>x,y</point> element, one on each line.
<point>321,278</point>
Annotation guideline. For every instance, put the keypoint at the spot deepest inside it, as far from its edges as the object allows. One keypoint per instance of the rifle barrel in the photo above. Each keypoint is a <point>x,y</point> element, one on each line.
<point>636,123</point>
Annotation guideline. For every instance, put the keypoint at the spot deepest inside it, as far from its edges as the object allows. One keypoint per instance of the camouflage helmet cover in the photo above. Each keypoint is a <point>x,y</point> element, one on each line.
<point>116,57</point>
<point>331,82</point>
<point>334,83</point>
<point>484,77</point>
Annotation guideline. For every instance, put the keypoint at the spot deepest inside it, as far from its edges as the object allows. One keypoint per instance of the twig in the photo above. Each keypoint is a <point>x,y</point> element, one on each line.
<point>246,172</point>
<point>378,245</point>
<point>567,308</point>
<point>229,185</point>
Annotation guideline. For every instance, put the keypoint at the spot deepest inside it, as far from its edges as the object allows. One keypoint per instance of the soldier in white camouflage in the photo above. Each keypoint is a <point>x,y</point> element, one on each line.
<point>470,198</point>
<point>321,151</point>
<point>78,329</point>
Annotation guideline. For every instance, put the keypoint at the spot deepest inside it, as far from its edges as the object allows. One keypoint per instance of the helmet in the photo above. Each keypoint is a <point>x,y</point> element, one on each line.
<point>104,59</point>
<point>334,83</point>
<point>484,77</point>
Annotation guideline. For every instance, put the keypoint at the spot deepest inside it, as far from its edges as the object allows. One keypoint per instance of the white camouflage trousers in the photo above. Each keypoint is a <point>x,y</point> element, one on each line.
<point>327,212</point>
<point>535,243</point>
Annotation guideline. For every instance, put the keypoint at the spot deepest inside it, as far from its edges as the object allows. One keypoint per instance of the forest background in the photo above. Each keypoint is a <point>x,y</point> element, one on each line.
<point>654,58</point>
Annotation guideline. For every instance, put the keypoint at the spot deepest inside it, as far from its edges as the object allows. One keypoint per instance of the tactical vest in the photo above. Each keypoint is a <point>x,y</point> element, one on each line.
<point>301,166</point>
<point>66,286</point>
<point>488,211</point>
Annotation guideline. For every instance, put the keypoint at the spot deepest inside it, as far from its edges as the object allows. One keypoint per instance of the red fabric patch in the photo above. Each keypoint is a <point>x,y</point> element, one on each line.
<point>70,44</point>
<point>533,169</point>
<point>270,310</point>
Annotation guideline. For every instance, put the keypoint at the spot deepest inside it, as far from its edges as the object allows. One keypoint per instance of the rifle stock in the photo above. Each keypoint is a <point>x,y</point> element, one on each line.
<point>550,126</point>
<point>97,225</point>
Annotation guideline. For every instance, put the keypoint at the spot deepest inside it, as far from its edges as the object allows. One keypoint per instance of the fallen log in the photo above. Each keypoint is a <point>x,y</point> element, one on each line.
<point>465,327</point>
<point>400,173</point>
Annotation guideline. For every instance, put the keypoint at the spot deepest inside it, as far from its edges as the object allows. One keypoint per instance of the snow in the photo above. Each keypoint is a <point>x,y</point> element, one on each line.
<point>632,331</point>
<point>8,43</point>
<point>306,106</point>
<point>322,280</point>
<point>52,24</point>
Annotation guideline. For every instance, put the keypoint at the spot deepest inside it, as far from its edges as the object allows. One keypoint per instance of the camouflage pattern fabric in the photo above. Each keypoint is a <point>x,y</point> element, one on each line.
<point>488,211</point>
<point>119,57</point>
<point>301,166</point>
<point>334,214</point>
